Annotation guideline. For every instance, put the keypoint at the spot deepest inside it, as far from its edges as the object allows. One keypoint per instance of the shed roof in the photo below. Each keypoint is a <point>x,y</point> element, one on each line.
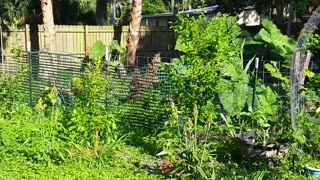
<point>206,10</point>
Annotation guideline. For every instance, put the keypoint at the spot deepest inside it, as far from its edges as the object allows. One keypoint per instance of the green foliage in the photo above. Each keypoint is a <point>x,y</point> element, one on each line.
<point>90,124</point>
<point>313,43</point>
<point>33,133</point>
<point>153,7</point>
<point>115,47</point>
<point>13,10</point>
<point>189,144</point>
<point>97,51</point>
<point>51,140</point>
<point>273,68</point>
<point>10,93</point>
<point>212,61</point>
<point>302,6</point>
<point>263,116</point>
<point>269,116</point>
<point>81,141</point>
<point>118,167</point>
<point>72,11</point>
<point>271,38</point>
<point>308,121</point>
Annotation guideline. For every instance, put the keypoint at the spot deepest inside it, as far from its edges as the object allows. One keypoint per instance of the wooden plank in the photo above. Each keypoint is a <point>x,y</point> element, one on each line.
<point>70,38</point>
<point>79,38</point>
<point>41,37</point>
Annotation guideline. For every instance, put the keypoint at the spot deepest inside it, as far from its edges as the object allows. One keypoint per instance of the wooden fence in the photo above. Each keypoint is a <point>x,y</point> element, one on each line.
<point>79,38</point>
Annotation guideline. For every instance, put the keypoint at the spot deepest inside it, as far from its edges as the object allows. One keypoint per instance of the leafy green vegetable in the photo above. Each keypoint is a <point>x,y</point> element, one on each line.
<point>97,51</point>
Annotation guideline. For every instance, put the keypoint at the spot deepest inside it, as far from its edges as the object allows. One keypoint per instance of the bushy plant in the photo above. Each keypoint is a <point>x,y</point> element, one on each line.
<point>91,125</point>
<point>33,133</point>
<point>313,43</point>
<point>212,55</point>
<point>209,77</point>
<point>189,144</point>
<point>11,93</point>
<point>307,121</point>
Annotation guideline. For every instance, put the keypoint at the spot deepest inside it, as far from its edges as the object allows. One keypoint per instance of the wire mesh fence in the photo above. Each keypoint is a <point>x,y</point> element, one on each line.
<point>300,62</point>
<point>142,105</point>
<point>138,105</point>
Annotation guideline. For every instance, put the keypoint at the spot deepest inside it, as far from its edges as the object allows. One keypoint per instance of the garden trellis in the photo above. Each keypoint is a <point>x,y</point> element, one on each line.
<point>300,62</point>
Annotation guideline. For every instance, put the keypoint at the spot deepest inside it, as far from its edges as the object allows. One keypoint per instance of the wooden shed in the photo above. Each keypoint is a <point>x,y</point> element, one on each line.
<point>163,19</point>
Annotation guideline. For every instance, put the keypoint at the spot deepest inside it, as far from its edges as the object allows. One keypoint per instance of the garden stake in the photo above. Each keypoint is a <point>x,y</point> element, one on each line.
<point>255,82</point>
<point>2,56</point>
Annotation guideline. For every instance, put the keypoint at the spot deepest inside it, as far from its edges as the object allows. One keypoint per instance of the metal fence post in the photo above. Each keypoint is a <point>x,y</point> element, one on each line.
<point>30,76</point>
<point>2,49</point>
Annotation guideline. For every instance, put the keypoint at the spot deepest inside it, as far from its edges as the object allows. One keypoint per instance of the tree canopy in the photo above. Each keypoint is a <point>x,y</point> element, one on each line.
<point>85,11</point>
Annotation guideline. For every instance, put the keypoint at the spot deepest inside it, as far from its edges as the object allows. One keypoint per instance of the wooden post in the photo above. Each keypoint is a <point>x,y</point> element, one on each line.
<point>27,37</point>
<point>86,39</point>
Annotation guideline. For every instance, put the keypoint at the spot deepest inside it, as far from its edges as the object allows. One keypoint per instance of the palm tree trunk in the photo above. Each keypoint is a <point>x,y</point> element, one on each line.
<point>134,27</point>
<point>48,25</point>
<point>49,43</point>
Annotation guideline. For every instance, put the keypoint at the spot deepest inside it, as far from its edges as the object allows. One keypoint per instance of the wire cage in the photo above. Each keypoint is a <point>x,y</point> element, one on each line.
<point>301,62</point>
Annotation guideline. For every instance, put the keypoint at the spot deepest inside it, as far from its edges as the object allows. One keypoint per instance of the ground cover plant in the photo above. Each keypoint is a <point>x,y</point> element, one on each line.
<point>210,104</point>
<point>51,140</point>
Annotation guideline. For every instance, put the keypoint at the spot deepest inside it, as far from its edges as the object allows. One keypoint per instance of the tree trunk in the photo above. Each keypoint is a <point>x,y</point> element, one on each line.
<point>134,27</point>
<point>45,69</point>
<point>113,13</point>
<point>48,25</point>
<point>101,12</point>
<point>291,17</point>
<point>279,8</point>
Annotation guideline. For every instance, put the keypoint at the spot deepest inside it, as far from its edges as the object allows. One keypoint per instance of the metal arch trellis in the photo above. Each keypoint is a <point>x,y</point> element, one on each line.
<point>300,62</point>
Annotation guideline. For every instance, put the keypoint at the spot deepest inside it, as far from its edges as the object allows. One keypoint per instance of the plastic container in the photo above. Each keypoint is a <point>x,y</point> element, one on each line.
<point>313,171</point>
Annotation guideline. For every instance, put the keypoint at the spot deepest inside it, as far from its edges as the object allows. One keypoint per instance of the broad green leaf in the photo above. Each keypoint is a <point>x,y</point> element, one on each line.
<point>264,35</point>
<point>229,70</point>
<point>274,39</point>
<point>115,46</point>
<point>270,26</point>
<point>97,51</point>
<point>234,98</point>
<point>268,102</point>
<point>179,45</point>
<point>252,41</point>
<point>275,72</point>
